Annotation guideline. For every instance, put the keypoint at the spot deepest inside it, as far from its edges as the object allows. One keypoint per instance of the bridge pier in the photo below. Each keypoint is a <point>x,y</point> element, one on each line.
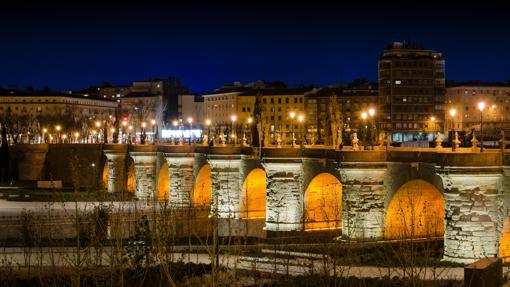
<point>145,158</point>
<point>284,195</point>
<point>116,160</point>
<point>226,186</point>
<point>363,215</point>
<point>472,217</point>
<point>180,173</point>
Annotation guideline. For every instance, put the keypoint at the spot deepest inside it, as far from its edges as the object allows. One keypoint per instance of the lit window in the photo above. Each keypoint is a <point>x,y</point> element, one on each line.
<point>398,82</point>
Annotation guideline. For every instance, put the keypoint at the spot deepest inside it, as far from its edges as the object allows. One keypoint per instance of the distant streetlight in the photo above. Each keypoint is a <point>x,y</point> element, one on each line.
<point>292,115</point>
<point>154,128</point>
<point>364,117</point>
<point>144,137</point>
<point>76,136</point>
<point>371,112</point>
<point>190,122</point>
<point>124,124</point>
<point>481,107</point>
<point>58,127</point>
<point>44,131</point>
<point>300,119</point>
<point>208,125</point>
<point>234,119</point>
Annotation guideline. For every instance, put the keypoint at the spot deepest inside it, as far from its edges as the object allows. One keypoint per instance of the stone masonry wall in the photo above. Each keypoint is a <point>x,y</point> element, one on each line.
<point>180,173</point>
<point>226,187</point>
<point>364,193</point>
<point>145,173</point>
<point>471,216</point>
<point>284,196</point>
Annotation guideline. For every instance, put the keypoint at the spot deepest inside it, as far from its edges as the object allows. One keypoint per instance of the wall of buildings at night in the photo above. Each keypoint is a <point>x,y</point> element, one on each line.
<point>465,98</point>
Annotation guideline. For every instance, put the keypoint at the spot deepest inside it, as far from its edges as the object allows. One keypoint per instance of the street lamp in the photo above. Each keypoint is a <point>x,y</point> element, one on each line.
<point>292,115</point>
<point>481,107</point>
<point>364,117</point>
<point>300,119</point>
<point>433,120</point>
<point>143,137</point>
<point>153,123</point>
<point>58,132</point>
<point>453,112</point>
<point>45,130</point>
<point>233,118</point>
<point>250,121</point>
<point>190,122</point>
<point>124,124</point>
<point>371,112</point>
<point>130,128</point>
<point>98,125</point>
<point>208,125</point>
<point>76,135</point>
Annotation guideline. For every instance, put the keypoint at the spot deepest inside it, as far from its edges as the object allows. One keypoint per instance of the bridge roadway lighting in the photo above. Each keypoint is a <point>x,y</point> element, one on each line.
<point>44,131</point>
<point>76,135</point>
<point>292,115</point>
<point>371,112</point>
<point>143,137</point>
<point>453,112</point>
<point>153,123</point>
<point>190,122</point>
<point>124,124</point>
<point>58,127</point>
<point>364,118</point>
<point>301,118</point>
<point>481,107</point>
<point>208,125</point>
<point>234,119</point>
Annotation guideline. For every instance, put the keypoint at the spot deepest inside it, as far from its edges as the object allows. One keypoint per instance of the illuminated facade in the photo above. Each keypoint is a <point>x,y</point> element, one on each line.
<point>411,91</point>
<point>465,98</point>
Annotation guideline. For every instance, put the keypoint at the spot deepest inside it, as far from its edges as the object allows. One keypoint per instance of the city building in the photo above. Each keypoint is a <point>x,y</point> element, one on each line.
<point>350,101</point>
<point>411,92</point>
<point>464,99</point>
<point>191,106</point>
<point>31,113</point>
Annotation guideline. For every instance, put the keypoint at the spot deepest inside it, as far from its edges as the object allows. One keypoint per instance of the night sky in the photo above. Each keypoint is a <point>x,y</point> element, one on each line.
<point>68,45</point>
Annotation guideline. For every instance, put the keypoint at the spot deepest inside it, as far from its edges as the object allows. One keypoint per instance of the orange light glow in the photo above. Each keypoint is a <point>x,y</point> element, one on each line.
<point>131,178</point>
<point>254,195</point>
<point>323,203</point>
<point>504,243</point>
<point>105,175</point>
<point>163,183</point>
<point>415,211</point>
<point>202,190</point>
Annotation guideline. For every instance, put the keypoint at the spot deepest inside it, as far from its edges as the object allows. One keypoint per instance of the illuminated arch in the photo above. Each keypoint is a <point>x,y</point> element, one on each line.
<point>163,183</point>
<point>105,176</point>
<point>254,195</point>
<point>504,243</point>
<point>323,203</point>
<point>131,177</point>
<point>202,190</point>
<point>415,211</point>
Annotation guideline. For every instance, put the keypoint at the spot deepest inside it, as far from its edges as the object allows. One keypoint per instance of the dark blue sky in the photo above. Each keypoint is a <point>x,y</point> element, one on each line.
<point>69,45</point>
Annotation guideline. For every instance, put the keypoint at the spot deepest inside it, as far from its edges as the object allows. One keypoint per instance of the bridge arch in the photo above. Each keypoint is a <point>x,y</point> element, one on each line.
<point>253,203</point>
<point>323,203</point>
<point>163,190</point>
<point>202,188</point>
<point>131,176</point>
<point>416,210</point>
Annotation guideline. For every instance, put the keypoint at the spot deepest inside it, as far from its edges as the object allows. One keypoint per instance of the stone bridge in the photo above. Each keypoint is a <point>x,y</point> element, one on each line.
<point>367,195</point>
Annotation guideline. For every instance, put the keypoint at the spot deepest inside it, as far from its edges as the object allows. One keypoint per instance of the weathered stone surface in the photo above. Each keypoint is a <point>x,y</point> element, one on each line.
<point>226,186</point>
<point>474,234</point>
<point>363,201</point>
<point>116,160</point>
<point>145,173</point>
<point>180,173</point>
<point>284,198</point>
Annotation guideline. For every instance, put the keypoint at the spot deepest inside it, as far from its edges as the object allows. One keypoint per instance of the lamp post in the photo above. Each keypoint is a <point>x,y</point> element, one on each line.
<point>364,117</point>
<point>98,125</point>
<point>481,107</point>
<point>124,124</point>
<point>130,128</point>
<point>292,115</point>
<point>250,121</point>
<point>433,120</point>
<point>234,119</point>
<point>153,123</point>
<point>112,130</point>
<point>453,112</point>
<point>301,118</point>
<point>175,123</point>
<point>143,136</point>
<point>190,121</point>
<point>76,136</point>
<point>208,125</point>
<point>44,131</point>
<point>371,112</point>
<point>58,133</point>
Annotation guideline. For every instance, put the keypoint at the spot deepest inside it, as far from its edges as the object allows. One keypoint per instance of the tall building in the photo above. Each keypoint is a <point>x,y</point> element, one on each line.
<point>411,92</point>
